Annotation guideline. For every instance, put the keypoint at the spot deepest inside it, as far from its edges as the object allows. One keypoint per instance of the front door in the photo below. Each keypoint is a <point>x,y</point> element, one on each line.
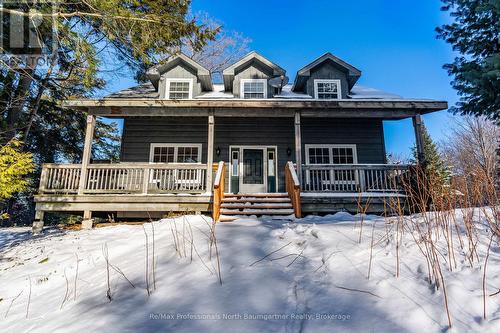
<point>254,178</point>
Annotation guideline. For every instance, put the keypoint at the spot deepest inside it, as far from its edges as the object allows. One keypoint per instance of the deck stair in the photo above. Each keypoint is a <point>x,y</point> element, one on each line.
<point>275,204</point>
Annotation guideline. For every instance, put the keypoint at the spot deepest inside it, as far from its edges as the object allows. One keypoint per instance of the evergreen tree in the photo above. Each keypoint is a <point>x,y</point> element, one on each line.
<point>433,162</point>
<point>94,39</point>
<point>475,34</point>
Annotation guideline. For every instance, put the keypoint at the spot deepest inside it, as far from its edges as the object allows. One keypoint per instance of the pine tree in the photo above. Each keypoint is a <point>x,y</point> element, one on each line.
<point>433,162</point>
<point>475,34</point>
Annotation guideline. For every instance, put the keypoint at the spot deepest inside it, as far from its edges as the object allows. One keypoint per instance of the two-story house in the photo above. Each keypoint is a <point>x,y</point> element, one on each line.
<point>251,145</point>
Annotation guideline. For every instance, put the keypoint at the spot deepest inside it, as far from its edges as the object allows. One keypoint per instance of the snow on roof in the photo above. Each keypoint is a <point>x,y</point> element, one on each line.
<point>145,90</point>
<point>148,91</point>
<point>217,93</point>
<point>363,92</point>
<point>286,92</point>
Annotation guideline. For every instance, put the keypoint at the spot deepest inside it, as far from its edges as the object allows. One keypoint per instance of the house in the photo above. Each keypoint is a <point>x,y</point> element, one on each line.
<point>252,145</point>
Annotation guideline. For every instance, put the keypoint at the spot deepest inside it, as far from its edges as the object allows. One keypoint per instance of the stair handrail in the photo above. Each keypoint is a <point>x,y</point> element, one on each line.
<point>292,185</point>
<point>218,190</point>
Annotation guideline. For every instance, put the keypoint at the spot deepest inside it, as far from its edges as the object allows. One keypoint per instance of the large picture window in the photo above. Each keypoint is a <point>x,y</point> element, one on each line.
<point>327,89</point>
<point>179,88</point>
<point>253,88</point>
<point>175,153</point>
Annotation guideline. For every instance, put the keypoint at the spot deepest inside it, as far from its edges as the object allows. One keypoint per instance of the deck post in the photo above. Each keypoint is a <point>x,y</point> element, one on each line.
<point>210,151</point>
<point>37,226</point>
<point>87,152</point>
<point>417,125</point>
<point>298,145</point>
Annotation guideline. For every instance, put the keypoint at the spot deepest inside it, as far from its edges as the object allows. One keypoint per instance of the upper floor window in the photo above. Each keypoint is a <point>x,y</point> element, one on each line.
<point>253,88</point>
<point>179,89</point>
<point>327,89</point>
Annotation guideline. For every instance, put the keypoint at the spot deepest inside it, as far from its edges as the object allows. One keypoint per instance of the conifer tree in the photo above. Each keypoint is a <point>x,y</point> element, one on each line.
<point>475,35</point>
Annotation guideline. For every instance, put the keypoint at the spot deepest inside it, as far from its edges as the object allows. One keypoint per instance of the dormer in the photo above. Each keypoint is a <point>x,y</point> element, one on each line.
<point>327,77</point>
<point>180,78</point>
<point>249,77</point>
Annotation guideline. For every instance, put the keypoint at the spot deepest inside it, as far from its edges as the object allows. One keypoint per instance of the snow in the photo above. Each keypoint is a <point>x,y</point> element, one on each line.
<point>363,92</point>
<point>286,92</point>
<point>292,275</point>
<point>351,195</point>
<point>217,93</point>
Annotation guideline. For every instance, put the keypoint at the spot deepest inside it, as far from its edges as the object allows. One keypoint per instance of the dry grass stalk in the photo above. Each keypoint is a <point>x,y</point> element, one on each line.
<point>106,259</point>
<point>12,302</point>
<point>146,271</point>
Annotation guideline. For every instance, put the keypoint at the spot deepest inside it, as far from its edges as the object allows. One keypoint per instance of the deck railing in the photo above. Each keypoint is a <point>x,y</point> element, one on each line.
<point>354,178</point>
<point>292,186</point>
<point>124,178</point>
<point>218,190</point>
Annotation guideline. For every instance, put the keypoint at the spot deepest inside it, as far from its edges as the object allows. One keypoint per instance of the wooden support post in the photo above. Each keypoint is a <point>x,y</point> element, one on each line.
<point>37,226</point>
<point>417,125</point>
<point>87,152</point>
<point>298,145</point>
<point>210,151</point>
<point>87,221</point>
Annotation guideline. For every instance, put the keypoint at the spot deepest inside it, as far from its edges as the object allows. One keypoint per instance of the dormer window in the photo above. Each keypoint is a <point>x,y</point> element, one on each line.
<point>179,89</point>
<point>327,89</point>
<point>253,88</point>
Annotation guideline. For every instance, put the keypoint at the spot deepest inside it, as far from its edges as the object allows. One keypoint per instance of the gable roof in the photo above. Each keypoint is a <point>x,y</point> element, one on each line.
<point>303,74</point>
<point>229,72</point>
<point>202,73</point>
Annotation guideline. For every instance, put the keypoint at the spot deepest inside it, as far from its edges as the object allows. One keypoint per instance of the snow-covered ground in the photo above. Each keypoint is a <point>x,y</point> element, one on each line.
<point>307,275</point>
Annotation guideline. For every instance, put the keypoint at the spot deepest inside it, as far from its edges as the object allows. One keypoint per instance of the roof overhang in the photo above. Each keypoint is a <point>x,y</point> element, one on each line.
<point>229,73</point>
<point>303,74</point>
<point>386,109</point>
<point>202,73</point>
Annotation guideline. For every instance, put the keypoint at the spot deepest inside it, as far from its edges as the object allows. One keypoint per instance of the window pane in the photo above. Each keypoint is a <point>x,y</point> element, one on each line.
<point>343,155</point>
<point>253,89</point>
<point>319,156</point>
<point>327,90</point>
<point>178,90</point>
<point>187,155</point>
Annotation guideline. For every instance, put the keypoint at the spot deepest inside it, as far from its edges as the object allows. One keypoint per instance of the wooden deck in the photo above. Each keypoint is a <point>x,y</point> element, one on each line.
<point>138,189</point>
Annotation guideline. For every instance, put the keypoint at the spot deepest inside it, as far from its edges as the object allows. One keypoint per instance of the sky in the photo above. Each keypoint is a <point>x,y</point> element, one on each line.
<point>393,43</point>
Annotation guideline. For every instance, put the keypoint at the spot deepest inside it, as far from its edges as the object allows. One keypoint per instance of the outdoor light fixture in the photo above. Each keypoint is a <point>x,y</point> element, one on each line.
<point>217,151</point>
<point>289,151</point>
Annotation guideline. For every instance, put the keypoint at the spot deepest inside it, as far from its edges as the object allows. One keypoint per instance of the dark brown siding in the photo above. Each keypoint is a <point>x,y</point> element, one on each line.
<point>328,71</point>
<point>256,131</point>
<point>139,133</point>
<point>366,134</point>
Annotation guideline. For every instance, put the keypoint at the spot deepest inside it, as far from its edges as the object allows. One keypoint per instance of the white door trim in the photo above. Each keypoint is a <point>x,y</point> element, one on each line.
<point>240,148</point>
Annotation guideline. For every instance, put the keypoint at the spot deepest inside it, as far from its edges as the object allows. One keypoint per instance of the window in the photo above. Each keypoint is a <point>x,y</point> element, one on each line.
<point>175,153</point>
<point>270,163</point>
<point>331,154</point>
<point>234,163</point>
<point>253,88</point>
<point>327,89</point>
<point>179,88</point>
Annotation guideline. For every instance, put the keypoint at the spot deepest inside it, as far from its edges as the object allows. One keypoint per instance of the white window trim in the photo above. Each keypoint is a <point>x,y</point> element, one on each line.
<point>330,152</point>
<point>167,86</point>
<point>176,146</point>
<point>242,81</point>
<point>339,88</point>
